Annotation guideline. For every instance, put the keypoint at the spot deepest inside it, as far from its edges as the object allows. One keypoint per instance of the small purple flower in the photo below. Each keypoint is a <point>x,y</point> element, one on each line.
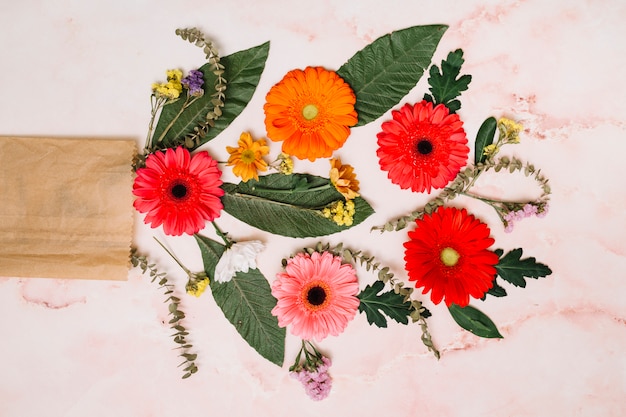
<point>317,383</point>
<point>543,213</point>
<point>194,82</point>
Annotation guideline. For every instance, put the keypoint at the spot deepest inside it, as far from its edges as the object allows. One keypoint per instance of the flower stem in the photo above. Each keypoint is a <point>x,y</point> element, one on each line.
<point>227,241</point>
<point>188,272</point>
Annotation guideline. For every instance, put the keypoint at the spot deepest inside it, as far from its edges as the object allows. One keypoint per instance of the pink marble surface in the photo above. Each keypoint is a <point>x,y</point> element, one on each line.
<point>85,348</point>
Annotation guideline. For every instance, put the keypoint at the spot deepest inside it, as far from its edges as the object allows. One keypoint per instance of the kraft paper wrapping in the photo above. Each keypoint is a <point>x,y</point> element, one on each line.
<point>66,207</point>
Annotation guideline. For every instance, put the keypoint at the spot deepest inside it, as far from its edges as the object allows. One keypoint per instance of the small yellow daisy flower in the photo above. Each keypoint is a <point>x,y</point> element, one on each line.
<point>247,159</point>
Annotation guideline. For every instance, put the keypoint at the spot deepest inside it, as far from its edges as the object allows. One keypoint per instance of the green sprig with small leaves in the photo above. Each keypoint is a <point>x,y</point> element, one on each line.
<point>467,178</point>
<point>413,308</point>
<point>180,333</point>
<point>195,36</point>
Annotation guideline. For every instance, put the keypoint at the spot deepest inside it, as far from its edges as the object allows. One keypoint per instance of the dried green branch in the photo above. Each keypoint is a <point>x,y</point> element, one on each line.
<point>195,36</point>
<point>180,333</point>
<point>418,311</point>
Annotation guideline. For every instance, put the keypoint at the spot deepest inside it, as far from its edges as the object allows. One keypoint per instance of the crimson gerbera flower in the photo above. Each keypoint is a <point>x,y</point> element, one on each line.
<point>316,295</point>
<point>422,147</point>
<point>447,255</point>
<point>178,190</point>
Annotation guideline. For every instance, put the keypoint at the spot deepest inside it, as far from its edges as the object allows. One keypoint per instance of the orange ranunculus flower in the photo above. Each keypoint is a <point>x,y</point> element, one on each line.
<point>311,111</point>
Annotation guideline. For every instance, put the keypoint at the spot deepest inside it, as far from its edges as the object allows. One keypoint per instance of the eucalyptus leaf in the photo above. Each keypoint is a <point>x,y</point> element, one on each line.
<point>288,205</point>
<point>246,301</point>
<point>474,321</point>
<point>384,71</point>
<point>242,71</point>
<point>484,138</point>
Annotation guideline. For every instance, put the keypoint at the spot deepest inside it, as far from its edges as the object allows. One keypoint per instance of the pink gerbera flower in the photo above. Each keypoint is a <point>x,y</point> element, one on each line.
<point>179,191</point>
<point>316,295</point>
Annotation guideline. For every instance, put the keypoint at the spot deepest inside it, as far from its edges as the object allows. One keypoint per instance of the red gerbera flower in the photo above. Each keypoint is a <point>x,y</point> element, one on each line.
<point>422,147</point>
<point>447,255</point>
<point>178,190</point>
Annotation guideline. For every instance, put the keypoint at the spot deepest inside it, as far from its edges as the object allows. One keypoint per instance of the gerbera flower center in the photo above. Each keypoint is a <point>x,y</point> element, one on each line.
<point>248,156</point>
<point>449,257</point>
<point>424,146</point>
<point>179,191</point>
<point>316,296</point>
<point>310,111</point>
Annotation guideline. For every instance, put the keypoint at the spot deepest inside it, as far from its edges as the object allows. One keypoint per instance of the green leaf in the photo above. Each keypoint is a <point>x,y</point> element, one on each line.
<point>388,303</point>
<point>247,302</point>
<point>289,205</point>
<point>445,87</point>
<point>474,321</point>
<point>484,138</point>
<point>496,291</point>
<point>242,71</point>
<point>383,72</point>
<point>513,269</point>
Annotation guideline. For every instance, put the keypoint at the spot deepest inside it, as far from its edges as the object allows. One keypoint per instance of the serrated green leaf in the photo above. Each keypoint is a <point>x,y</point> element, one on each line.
<point>496,291</point>
<point>474,321</point>
<point>288,205</point>
<point>384,71</point>
<point>242,72</point>
<point>376,306</point>
<point>484,138</point>
<point>513,269</point>
<point>446,85</point>
<point>246,301</point>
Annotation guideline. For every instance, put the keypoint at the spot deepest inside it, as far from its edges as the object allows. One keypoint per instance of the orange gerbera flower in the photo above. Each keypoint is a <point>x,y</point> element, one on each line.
<point>311,111</point>
<point>247,159</point>
<point>344,179</point>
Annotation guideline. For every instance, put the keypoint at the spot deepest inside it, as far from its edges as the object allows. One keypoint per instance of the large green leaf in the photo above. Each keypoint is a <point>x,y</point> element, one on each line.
<point>376,306</point>
<point>246,301</point>
<point>242,71</point>
<point>387,69</point>
<point>288,205</point>
<point>475,321</point>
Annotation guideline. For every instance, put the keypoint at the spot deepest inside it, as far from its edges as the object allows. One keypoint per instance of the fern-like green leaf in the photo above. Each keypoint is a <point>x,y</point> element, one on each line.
<point>447,85</point>
<point>512,268</point>
<point>377,305</point>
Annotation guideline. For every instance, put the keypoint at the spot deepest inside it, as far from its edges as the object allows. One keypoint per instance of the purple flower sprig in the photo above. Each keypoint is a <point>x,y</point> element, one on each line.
<point>313,373</point>
<point>194,82</point>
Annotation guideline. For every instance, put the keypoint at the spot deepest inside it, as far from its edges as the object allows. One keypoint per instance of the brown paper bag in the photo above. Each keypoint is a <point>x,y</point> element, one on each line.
<point>65,207</point>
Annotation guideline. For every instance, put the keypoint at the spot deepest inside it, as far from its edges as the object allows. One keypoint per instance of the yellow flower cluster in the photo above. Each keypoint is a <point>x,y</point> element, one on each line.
<point>491,150</point>
<point>340,212</point>
<point>285,166</point>
<point>196,288</point>
<point>509,130</point>
<point>172,88</point>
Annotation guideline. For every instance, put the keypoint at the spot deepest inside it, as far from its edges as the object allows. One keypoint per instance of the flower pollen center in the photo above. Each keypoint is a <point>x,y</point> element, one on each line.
<point>424,147</point>
<point>449,257</point>
<point>248,156</point>
<point>316,296</point>
<point>310,111</point>
<point>179,191</point>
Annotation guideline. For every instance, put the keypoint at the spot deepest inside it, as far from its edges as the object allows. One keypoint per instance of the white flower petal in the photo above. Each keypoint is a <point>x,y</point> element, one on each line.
<point>240,257</point>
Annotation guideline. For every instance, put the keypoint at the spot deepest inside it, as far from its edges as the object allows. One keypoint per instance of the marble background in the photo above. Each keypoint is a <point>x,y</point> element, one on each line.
<point>103,348</point>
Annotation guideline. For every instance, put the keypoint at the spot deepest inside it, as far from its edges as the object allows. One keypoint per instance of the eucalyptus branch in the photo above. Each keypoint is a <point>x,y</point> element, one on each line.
<point>195,36</point>
<point>371,264</point>
<point>181,333</point>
